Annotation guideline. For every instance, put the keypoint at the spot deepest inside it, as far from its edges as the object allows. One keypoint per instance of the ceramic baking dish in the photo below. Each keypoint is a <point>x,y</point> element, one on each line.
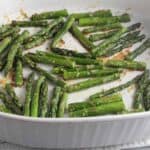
<point>77,132</point>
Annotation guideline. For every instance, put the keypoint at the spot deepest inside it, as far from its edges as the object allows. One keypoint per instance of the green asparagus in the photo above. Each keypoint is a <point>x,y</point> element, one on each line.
<point>91,82</point>
<point>134,65</point>
<point>81,37</point>
<point>54,101</point>
<point>62,105</point>
<point>35,97</point>
<point>106,27</point>
<point>10,105</point>
<point>103,20</point>
<point>62,31</point>
<point>3,108</point>
<point>50,15</point>
<point>30,23</point>
<point>10,91</point>
<point>114,89</point>
<point>88,73</point>
<point>101,36</point>
<point>94,102</point>
<point>43,99</point>
<point>98,13</point>
<point>28,95</point>
<point>13,51</point>
<point>139,50</point>
<point>111,108</point>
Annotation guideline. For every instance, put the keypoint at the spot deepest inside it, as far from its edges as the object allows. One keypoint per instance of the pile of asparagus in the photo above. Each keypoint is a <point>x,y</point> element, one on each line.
<point>103,27</point>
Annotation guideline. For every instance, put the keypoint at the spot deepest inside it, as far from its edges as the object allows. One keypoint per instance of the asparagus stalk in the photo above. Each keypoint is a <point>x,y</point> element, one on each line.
<point>101,36</point>
<point>109,43</point>
<point>67,25</point>
<point>50,15</point>
<point>30,23</point>
<point>13,51</point>
<point>28,95</point>
<point>114,89</point>
<point>147,98</point>
<point>98,13</point>
<point>35,97</point>
<point>19,70</point>
<point>43,99</point>
<point>111,108</point>
<point>10,91</point>
<point>134,65</point>
<point>51,60</point>
<point>62,105</point>
<point>43,72</point>
<point>142,48</point>
<point>88,73</point>
<point>139,95</point>
<point>9,32</point>
<point>91,82</point>
<point>124,45</point>
<point>54,101</point>
<point>95,102</point>
<point>71,53</point>
<point>77,60</point>
<point>10,105</point>
<point>45,30</point>
<point>3,108</point>
<point>103,20</point>
<point>4,44</point>
<point>106,27</point>
<point>81,38</point>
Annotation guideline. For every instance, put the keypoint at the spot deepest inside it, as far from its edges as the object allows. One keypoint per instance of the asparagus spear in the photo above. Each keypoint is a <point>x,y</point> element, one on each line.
<point>114,89</point>
<point>106,27</point>
<point>94,102</point>
<point>141,85</point>
<point>134,65</point>
<point>62,105</point>
<point>4,44</point>
<point>45,30</point>
<point>101,36</point>
<point>3,108</point>
<point>88,73</point>
<point>54,101</point>
<point>139,50</point>
<point>35,97</point>
<point>91,82</point>
<point>77,60</point>
<point>147,98</point>
<point>30,23</point>
<point>10,105</point>
<point>9,32</point>
<point>81,38</point>
<point>50,15</point>
<point>103,20</point>
<point>43,72</point>
<point>111,108</point>
<point>19,70</point>
<point>71,53</point>
<point>51,60</point>
<point>28,95</point>
<point>10,91</point>
<point>43,99</point>
<point>60,70</point>
<point>124,45</point>
<point>4,28</point>
<point>62,31</point>
<point>13,51</point>
<point>98,13</point>
<point>109,43</point>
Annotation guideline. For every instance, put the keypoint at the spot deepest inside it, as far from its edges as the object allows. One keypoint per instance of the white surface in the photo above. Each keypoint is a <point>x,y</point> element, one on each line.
<point>85,132</point>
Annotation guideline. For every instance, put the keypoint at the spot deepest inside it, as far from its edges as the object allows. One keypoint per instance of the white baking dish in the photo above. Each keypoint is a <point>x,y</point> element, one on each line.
<point>76,132</point>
